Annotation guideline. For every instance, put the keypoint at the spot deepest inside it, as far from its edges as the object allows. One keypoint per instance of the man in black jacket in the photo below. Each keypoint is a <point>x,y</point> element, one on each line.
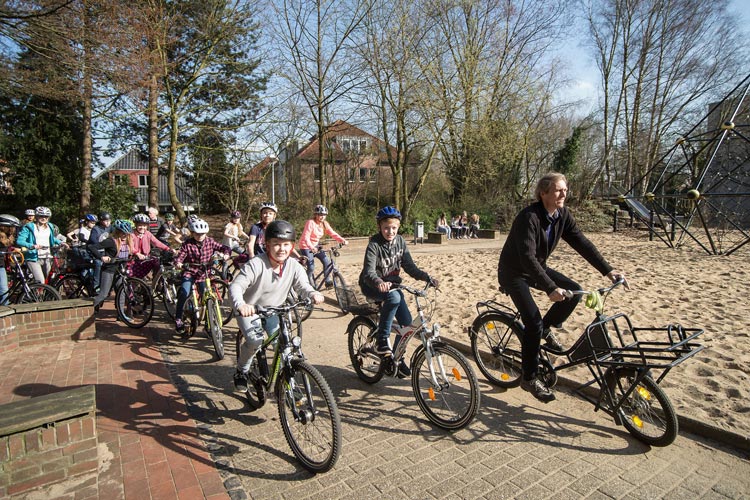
<point>534,235</point>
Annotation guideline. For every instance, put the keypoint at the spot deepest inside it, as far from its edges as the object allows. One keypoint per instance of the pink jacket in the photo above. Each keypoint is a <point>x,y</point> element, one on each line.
<point>142,244</point>
<point>313,232</point>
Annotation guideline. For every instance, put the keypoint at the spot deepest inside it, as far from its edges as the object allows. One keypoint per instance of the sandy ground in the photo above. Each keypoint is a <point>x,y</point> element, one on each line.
<point>667,286</point>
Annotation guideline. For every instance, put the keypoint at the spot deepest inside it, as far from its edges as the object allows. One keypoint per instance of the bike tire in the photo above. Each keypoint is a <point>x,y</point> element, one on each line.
<point>369,366</point>
<point>38,292</point>
<point>168,292</point>
<point>454,404</point>
<point>309,416</point>
<point>496,347</point>
<point>213,317</point>
<point>647,413</point>
<point>256,391</point>
<point>134,302</point>
<point>340,288</point>
<point>221,290</point>
<point>302,312</point>
<point>72,287</point>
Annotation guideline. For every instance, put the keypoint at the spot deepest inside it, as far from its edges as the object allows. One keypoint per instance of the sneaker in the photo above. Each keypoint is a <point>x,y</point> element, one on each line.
<point>538,389</point>
<point>382,348</point>
<point>179,326</point>
<point>328,284</point>
<point>553,343</point>
<point>403,369</point>
<point>240,381</point>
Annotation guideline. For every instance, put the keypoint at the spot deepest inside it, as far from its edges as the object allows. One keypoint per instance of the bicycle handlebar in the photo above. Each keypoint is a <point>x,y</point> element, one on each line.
<point>267,311</point>
<point>570,293</point>
<point>415,291</point>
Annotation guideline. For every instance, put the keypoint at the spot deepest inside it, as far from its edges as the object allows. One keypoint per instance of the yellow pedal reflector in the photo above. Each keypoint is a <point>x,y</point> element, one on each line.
<point>431,394</point>
<point>504,376</point>
<point>644,393</point>
<point>457,374</point>
<point>637,421</point>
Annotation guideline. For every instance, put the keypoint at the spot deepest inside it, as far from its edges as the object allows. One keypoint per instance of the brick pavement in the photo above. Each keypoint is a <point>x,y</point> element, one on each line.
<point>164,430</point>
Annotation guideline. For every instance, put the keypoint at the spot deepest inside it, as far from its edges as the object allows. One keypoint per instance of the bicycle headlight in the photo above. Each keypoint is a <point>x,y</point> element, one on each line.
<point>297,342</point>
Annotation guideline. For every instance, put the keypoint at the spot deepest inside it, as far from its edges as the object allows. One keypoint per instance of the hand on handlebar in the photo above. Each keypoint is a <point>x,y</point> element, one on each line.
<point>317,298</point>
<point>558,295</point>
<point>246,310</point>
<point>434,282</point>
<point>616,276</point>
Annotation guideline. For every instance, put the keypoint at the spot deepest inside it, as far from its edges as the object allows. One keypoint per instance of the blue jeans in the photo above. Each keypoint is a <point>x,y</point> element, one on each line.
<point>322,256</point>
<point>3,285</point>
<point>186,288</point>
<point>393,307</point>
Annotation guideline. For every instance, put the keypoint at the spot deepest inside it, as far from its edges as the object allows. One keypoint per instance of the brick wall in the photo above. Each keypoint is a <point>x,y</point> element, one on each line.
<point>48,448</point>
<point>28,324</point>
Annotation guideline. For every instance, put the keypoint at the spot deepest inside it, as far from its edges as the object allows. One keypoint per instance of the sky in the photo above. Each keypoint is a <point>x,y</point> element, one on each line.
<point>584,75</point>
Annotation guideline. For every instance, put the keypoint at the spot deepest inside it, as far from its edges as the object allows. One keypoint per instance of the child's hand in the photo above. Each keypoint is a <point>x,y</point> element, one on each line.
<point>317,298</point>
<point>384,286</point>
<point>246,310</point>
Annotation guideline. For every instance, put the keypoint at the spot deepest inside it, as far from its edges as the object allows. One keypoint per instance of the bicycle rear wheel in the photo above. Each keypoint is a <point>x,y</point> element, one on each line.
<point>168,292</point>
<point>453,402</point>
<point>134,302</point>
<point>213,316</point>
<point>368,365</point>
<point>309,416</point>
<point>647,412</point>
<point>38,292</point>
<point>496,347</point>
<point>72,287</point>
<point>339,286</point>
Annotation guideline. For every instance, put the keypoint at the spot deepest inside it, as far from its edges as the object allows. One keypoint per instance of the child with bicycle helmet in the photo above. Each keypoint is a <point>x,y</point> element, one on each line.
<point>36,239</point>
<point>309,242</point>
<point>199,248</point>
<point>385,255</point>
<point>233,231</point>
<point>142,242</point>
<point>8,226</point>
<point>169,228</point>
<point>256,244</point>
<point>117,245</point>
<point>265,281</point>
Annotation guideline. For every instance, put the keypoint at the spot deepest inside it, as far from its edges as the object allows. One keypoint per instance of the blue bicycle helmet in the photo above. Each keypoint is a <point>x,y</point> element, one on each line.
<point>124,226</point>
<point>91,218</point>
<point>388,213</point>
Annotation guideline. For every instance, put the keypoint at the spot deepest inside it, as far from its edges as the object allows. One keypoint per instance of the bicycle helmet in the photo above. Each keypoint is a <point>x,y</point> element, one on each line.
<point>192,217</point>
<point>281,230</point>
<point>105,216</point>
<point>43,212</point>
<point>29,212</point>
<point>141,219</point>
<point>9,220</point>
<point>124,226</point>
<point>269,205</point>
<point>321,210</point>
<point>91,218</point>
<point>235,214</point>
<point>198,226</point>
<point>169,216</point>
<point>388,213</point>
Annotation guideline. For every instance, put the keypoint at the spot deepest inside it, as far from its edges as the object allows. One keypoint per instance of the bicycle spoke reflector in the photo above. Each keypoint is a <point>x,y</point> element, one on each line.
<point>457,374</point>
<point>431,394</point>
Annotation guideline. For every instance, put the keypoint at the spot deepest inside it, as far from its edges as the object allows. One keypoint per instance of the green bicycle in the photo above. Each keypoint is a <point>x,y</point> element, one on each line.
<point>207,306</point>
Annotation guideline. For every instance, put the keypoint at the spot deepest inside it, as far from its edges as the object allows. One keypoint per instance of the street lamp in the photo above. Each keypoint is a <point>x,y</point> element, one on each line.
<point>273,159</point>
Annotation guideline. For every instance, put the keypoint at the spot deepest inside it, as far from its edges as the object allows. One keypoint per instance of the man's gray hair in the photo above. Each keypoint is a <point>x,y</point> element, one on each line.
<point>547,182</point>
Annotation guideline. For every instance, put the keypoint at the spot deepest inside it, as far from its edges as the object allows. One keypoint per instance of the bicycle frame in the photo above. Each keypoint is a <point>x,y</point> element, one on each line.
<point>326,273</point>
<point>202,299</point>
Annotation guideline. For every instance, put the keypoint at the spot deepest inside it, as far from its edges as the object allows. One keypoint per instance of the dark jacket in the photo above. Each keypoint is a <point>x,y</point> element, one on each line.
<point>526,250</point>
<point>384,260</point>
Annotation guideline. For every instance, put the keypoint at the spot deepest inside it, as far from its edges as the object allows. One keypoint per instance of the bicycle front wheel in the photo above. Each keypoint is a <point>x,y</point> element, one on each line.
<point>72,287</point>
<point>368,365</point>
<point>309,416</point>
<point>451,399</point>
<point>168,292</point>
<point>647,412</point>
<point>135,303</point>
<point>496,347</point>
<point>339,286</point>
<point>221,290</point>
<point>37,292</point>
<point>214,327</point>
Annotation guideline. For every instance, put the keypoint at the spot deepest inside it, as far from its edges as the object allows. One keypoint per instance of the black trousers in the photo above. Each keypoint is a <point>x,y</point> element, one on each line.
<point>518,288</point>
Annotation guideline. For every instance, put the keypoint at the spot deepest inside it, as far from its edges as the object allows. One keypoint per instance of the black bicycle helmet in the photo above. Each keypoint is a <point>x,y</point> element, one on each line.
<point>280,229</point>
<point>388,213</point>
<point>105,216</point>
<point>9,220</point>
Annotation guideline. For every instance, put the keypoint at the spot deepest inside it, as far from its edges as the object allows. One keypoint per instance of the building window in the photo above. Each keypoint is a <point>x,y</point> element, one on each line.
<point>361,174</point>
<point>143,181</point>
<point>352,145</point>
<point>121,179</point>
<point>316,173</point>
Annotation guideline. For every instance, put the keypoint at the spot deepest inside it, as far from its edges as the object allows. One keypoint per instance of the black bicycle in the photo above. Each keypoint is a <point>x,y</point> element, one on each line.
<point>22,289</point>
<point>620,357</point>
<point>307,409</point>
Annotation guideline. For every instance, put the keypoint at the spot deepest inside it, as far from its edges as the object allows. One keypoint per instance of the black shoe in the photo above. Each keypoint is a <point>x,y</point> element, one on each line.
<point>553,343</point>
<point>403,369</point>
<point>538,389</point>
<point>240,381</point>
<point>179,327</point>
<point>382,348</point>
<point>329,284</point>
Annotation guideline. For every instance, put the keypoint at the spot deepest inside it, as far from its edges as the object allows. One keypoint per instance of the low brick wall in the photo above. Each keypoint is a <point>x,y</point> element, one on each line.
<point>29,324</point>
<point>49,442</point>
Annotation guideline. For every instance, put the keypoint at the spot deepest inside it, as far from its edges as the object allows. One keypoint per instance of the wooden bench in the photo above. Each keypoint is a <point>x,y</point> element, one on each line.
<point>436,237</point>
<point>490,234</point>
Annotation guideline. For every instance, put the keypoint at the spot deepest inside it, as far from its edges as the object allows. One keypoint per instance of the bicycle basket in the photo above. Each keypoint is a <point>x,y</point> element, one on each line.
<point>595,340</point>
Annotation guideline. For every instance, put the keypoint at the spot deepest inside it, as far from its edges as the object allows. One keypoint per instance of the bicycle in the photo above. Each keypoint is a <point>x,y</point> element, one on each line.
<point>166,282</point>
<point>208,307</point>
<point>307,408</point>
<point>442,379</point>
<point>329,273</point>
<point>22,289</point>
<point>622,369</point>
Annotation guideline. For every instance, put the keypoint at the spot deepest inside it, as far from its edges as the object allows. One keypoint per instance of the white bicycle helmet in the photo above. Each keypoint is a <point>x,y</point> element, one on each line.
<point>268,204</point>
<point>9,220</point>
<point>320,210</point>
<point>198,226</point>
<point>29,212</point>
<point>142,218</point>
<point>43,212</point>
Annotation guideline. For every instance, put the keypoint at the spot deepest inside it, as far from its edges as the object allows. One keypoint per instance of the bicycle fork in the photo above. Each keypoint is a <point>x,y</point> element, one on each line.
<point>440,372</point>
